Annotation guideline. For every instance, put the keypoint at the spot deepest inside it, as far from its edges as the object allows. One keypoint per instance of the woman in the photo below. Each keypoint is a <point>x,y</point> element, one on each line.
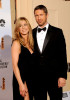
<point>22,51</point>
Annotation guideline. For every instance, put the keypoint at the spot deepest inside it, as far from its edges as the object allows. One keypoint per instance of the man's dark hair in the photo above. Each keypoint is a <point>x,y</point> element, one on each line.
<point>41,7</point>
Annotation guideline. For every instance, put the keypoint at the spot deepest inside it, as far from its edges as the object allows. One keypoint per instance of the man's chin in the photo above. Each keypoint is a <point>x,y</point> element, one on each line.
<point>40,24</point>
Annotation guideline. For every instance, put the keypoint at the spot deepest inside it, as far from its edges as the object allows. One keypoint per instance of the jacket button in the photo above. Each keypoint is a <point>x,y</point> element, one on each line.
<point>42,56</point>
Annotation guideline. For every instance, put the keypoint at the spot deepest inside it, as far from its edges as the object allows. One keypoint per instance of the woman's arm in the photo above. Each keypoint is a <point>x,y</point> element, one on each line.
<point>15,57</point>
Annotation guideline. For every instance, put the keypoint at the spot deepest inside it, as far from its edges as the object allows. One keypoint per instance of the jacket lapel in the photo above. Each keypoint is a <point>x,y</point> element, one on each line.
<point>35,40</point>
<point>47,38</point>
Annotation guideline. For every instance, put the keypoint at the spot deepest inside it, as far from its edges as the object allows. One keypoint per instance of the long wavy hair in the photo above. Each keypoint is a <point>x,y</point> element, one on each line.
<point>17,36</point>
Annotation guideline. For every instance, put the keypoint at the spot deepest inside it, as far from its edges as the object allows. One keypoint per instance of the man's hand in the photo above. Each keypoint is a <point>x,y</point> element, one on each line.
<point>61,82</point>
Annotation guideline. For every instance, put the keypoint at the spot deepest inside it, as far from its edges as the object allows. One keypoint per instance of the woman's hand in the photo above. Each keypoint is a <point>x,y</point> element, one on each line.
<point>23,89</point>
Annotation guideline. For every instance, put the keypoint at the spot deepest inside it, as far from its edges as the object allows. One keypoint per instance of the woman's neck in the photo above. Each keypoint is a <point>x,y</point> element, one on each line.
<point>25,37</point>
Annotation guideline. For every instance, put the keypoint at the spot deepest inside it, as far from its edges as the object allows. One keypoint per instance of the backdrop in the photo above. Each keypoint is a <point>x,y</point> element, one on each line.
<point>5,51</point>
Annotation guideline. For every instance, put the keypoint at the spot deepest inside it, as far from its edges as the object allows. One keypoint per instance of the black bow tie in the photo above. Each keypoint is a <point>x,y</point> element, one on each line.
<point>40,29</point>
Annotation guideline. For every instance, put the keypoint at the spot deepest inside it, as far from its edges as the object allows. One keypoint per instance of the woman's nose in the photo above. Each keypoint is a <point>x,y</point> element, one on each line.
<point>22,26</point>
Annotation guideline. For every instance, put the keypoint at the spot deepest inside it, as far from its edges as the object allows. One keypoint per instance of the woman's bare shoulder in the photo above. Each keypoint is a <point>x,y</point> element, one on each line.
<point>15,43</point>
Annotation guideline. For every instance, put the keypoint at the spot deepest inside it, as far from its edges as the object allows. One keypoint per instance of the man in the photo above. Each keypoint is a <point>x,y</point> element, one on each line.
<point>51,61</point>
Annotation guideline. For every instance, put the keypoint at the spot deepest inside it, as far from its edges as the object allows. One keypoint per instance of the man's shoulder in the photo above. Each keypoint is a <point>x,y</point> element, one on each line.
<point>55,28</point>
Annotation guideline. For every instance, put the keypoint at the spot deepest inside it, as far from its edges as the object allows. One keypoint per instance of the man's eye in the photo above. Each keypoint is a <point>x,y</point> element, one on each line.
<point>41,15</point>
<point>36,15</point>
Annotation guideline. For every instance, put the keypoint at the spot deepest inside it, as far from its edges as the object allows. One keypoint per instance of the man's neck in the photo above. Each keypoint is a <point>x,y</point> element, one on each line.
<point>42,26</point>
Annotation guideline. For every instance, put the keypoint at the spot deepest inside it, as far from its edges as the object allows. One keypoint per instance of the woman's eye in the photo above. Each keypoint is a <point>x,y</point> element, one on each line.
<point>25,24</point>
<point>20,25</point>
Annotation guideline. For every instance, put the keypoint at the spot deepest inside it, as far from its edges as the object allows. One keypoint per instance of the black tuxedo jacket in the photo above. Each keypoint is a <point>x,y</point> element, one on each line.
<point>53,58</point>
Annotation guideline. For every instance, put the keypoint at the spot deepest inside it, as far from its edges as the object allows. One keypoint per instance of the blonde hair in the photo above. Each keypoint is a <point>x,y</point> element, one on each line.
<point>17,35</point>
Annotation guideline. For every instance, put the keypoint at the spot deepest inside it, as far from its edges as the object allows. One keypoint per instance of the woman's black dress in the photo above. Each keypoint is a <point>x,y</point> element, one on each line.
<point>25,65</point>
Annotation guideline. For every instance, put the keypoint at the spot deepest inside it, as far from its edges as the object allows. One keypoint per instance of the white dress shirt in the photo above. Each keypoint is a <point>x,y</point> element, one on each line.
<point>41,37</point>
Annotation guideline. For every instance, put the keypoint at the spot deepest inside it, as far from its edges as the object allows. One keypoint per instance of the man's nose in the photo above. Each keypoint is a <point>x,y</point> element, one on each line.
<point>39,17</point>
